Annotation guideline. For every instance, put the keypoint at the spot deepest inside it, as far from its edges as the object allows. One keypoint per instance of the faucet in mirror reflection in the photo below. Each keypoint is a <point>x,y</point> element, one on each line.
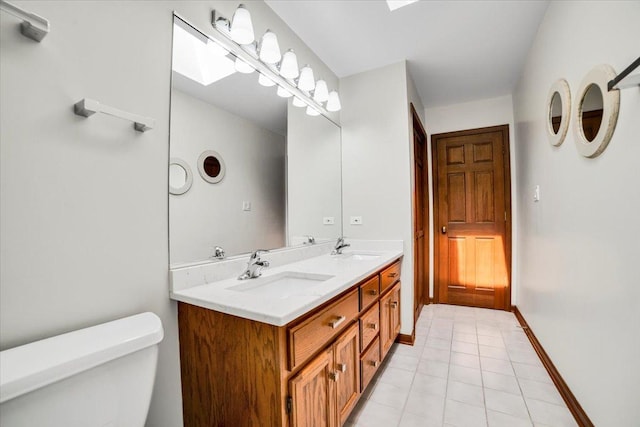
<point>340,245</point>
<point>254,266</point>
<point>218,253</point>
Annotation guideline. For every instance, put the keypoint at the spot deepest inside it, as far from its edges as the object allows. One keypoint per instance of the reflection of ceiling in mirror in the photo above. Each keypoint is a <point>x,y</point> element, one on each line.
<point>201,70</point>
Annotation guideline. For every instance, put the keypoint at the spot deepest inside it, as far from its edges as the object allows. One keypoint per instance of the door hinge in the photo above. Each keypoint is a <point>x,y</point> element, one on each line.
<point>505,216</point>
<point>289,404</point>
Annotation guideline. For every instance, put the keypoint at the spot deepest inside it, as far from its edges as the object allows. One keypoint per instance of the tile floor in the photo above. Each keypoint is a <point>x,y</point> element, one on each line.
<point>469,367</point>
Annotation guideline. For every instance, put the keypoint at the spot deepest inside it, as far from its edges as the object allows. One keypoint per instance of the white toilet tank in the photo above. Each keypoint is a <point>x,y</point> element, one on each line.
<point>98,376</point>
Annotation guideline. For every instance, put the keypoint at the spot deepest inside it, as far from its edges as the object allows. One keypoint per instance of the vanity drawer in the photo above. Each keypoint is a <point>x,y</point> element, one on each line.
<point>314,333</point>
<point>369,326</point>
<point>369,292</point>
<point>369,363</point>
<point>389,276</point>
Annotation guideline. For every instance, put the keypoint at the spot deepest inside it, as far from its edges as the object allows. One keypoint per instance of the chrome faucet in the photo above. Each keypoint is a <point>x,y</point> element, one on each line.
<point>255,266</point>
<point>340,245</point>
<point>218,253</point>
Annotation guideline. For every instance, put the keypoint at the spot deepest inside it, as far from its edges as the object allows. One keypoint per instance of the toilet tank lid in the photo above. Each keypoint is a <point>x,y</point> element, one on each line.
<point>37,364</point>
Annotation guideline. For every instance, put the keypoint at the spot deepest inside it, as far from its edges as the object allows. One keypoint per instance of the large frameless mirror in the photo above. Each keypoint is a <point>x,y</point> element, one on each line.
<point>276,171</point>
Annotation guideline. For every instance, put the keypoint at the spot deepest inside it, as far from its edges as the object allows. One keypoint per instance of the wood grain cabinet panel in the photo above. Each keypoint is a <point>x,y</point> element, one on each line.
<point>389,319</point>
<point>369,292</point>
<point>369,363</point>
<point>347,365</point>
<point>313,333</point>
<point>389,276</point>
<point>313,393</point>
<point>369,326</point>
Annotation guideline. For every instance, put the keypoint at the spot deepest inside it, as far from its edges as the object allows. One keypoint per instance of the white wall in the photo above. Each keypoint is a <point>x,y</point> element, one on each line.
<point>473,115</point>
<point>376,159</point>
<point>211,214</point>
<point>83,201</point>
<point>314,176</point>
<point>578,247</point>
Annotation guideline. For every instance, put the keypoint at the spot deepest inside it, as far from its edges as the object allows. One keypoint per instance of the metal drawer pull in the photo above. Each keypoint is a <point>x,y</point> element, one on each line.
<point>374,363</point>
<point>393,304</point>
<point>484,289</point>
<point>334,324</point>
<point>373,292</point>
<point>342,367</point>
<point>392,275</point>
<point>373,326</point>
<point>334,375</point>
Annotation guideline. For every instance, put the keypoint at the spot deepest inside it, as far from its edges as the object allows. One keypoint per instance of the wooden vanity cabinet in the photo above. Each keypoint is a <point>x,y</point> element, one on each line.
<point>310,372</point>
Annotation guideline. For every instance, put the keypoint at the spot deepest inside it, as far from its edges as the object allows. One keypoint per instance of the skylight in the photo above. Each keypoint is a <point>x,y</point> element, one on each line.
<point>203,61</point>
<point>397,4</point>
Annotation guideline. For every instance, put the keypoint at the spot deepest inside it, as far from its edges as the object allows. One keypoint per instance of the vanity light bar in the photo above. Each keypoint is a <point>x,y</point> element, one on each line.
<point>222,35</point>
<point>33,26</point>
<point>630,81</point>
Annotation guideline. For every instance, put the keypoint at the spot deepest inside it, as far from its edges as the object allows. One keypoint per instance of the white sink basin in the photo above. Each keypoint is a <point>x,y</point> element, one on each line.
<point>358,256</point>
<point>283,285</point>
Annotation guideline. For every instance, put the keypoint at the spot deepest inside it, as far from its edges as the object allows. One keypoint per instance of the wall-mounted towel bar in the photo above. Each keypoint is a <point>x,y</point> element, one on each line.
<point>624,80</point>
<point>88,107</point>
<point>33,26</point>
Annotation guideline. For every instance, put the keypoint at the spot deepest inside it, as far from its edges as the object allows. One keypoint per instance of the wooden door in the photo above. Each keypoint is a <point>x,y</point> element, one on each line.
<point>421,216</point>
<point>347,367</point>
<point>473,211</point>
<point>313,393</point>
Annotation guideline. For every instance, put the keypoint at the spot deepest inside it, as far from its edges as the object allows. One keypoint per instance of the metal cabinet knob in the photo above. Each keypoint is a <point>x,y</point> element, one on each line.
<point>444,229</point>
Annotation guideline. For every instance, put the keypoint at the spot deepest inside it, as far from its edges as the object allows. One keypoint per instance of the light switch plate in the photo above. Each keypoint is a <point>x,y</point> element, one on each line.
<point>536,194</point>
<point>246,206</point>
<point>328,220</point>
<point>356,220</point>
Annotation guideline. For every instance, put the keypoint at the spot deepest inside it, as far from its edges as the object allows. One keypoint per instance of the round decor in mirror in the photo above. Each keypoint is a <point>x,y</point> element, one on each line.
<point>211,166</point>
<point>180,176</point>
<point>596,111</point>
<point>559,109</point>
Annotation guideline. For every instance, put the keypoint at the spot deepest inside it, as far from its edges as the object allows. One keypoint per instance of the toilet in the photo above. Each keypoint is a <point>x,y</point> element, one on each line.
<point>98,376</point>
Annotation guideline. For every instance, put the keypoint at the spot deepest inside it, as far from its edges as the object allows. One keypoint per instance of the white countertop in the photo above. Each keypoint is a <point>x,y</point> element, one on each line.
<point>345,271</point>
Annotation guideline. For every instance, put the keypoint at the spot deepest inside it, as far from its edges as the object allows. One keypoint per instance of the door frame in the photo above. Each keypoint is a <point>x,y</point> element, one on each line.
<point>504,129</point>
<point>417,124</point>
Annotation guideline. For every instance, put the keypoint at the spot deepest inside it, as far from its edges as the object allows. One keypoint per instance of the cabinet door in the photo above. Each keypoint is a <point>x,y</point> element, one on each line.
<point>313,393</point>
<point>385,324</point>
<point>394,315</point>
<point>389,319</point>
<point>347,366</point>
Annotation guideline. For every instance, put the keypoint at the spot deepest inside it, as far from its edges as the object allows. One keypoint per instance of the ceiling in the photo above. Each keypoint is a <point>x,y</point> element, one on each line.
<point>457,51</point>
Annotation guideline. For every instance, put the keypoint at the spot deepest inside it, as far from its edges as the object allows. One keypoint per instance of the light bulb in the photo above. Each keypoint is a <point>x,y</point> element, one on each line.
<point>241,26</point>
<point>297,102</point>
<point>333,104</point>
<point>321,94</point>
<point>289,65</point>
<point>265,81</point>
<point>306,81</point>
<point>282,92</point>
<point>242,67</point>
<point>312,111</point>
<point>269,48</point>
